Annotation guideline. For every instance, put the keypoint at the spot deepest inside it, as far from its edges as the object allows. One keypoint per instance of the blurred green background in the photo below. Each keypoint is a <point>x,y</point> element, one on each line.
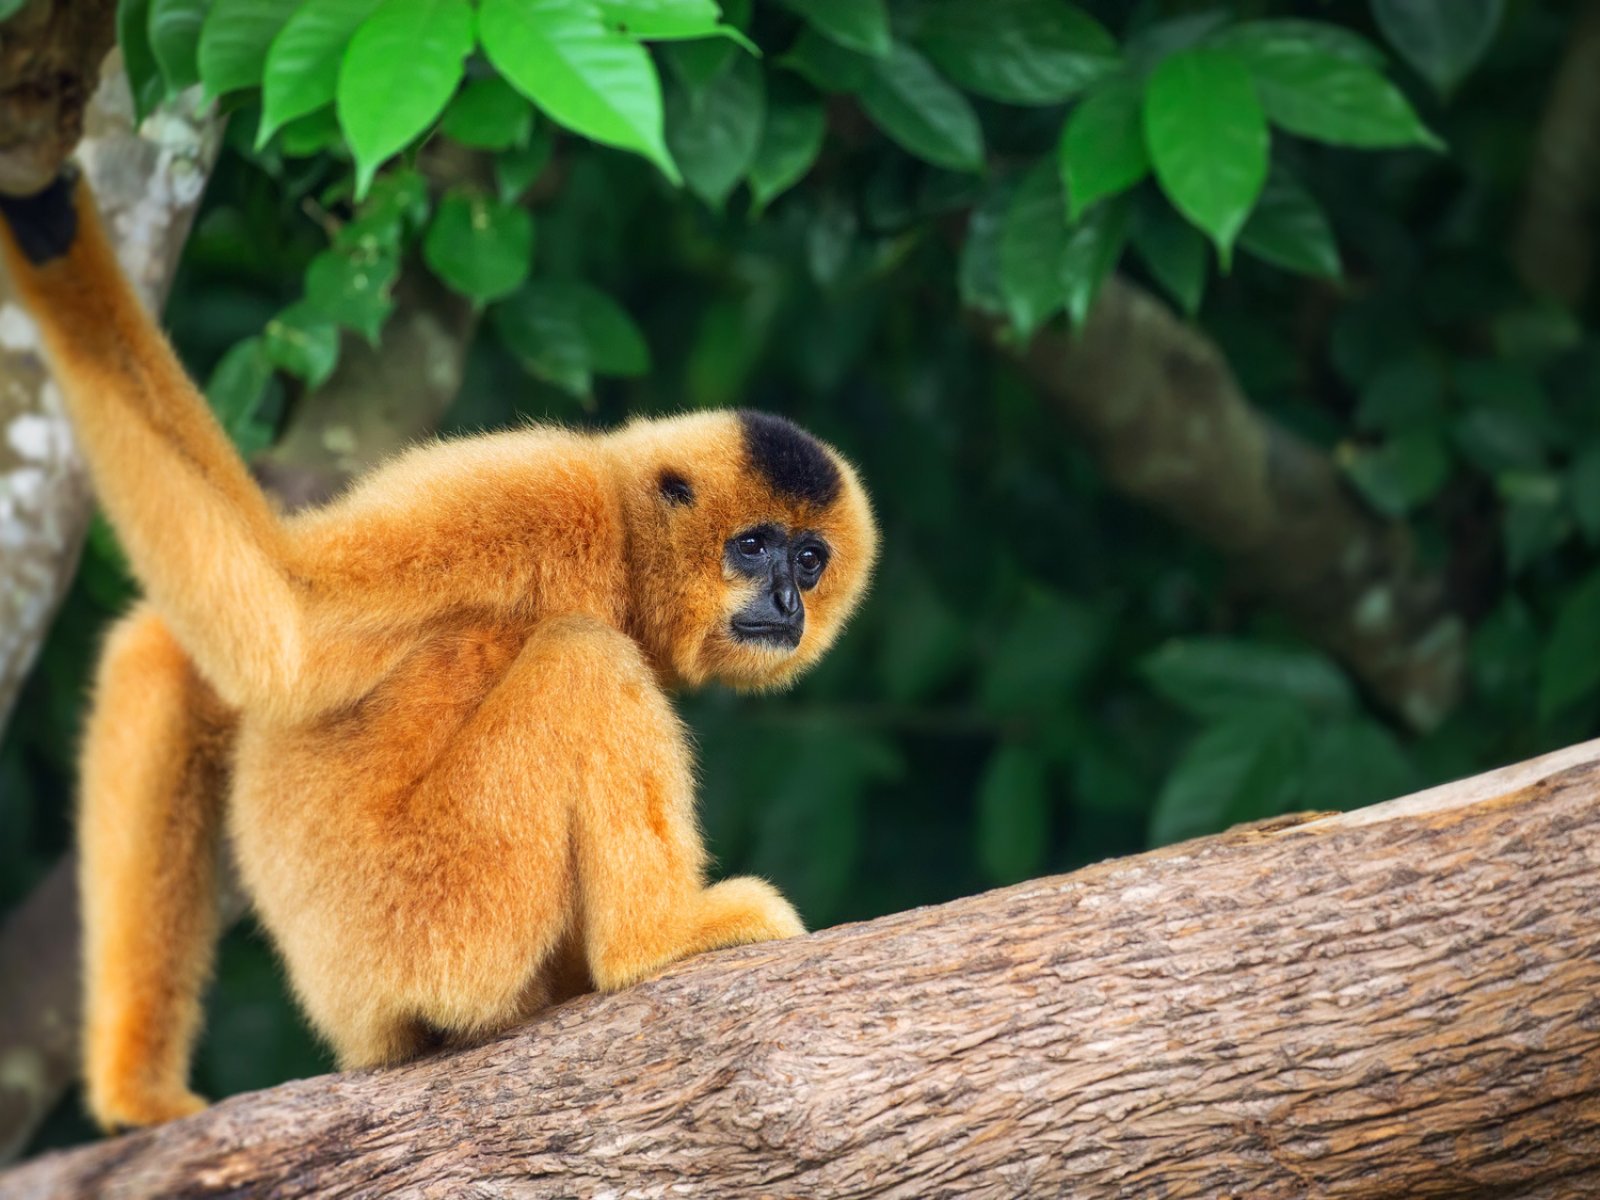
<point>1348,202</point>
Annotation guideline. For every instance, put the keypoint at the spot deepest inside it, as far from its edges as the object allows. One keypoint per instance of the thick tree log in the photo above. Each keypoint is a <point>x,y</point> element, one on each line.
<point>1165,418</point>
<point>1400,1001</point>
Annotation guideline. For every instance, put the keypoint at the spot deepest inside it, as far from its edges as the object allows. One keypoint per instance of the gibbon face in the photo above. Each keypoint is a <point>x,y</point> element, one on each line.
<point>751,543</point>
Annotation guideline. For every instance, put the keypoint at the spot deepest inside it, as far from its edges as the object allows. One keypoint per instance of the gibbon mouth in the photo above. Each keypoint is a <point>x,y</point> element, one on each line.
<point>770,633</point>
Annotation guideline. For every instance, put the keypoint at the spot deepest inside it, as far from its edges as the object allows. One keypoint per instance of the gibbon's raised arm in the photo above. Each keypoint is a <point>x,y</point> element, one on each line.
<point>199,533</point>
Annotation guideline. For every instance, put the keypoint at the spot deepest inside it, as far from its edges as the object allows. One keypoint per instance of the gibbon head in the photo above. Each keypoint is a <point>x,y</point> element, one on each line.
<point>750,544</point>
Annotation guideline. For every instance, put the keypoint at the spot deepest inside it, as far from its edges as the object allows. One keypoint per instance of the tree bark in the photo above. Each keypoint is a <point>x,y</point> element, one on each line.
<point>1168,423</point>
<point>1399,1001</point>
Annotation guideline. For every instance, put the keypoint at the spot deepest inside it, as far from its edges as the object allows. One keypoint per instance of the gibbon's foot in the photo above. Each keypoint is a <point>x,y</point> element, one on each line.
<point>735,912</point>
<point>133,1110</point>
<point>742,910</point>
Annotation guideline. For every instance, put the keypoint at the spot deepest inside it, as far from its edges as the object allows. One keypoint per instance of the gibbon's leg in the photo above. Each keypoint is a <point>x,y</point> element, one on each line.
<point>153,772</point>
<point>640,862</point>
<point>555,834</point>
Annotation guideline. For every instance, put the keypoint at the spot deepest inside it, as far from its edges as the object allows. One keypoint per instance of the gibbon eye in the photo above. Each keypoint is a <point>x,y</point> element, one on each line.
<point>750,545</point>
<point>675,489</point>
<point>811,560</point>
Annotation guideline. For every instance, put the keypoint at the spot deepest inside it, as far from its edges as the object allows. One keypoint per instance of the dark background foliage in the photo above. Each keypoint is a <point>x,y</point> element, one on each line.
<point>1047,673</point>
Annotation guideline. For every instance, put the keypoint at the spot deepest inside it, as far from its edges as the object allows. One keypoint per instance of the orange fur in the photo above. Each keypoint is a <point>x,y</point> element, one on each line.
<point>432,716</point>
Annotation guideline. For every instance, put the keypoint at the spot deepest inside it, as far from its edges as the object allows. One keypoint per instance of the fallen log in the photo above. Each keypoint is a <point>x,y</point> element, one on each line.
<point>1398,1001</point>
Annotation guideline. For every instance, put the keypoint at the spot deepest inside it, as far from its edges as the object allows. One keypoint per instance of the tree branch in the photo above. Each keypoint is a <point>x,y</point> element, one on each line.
<point>1396,1001</point>
<point>1165,418</point>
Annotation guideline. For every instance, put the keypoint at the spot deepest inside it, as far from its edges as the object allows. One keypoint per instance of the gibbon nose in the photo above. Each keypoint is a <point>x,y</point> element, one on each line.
<point>786,599</point>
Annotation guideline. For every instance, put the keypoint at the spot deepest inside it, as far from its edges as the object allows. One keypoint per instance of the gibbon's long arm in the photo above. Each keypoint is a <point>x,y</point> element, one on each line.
<point>199,533</point>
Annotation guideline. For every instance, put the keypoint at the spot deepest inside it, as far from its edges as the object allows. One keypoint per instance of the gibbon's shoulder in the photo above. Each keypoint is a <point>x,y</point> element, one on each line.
<point>500,468</point>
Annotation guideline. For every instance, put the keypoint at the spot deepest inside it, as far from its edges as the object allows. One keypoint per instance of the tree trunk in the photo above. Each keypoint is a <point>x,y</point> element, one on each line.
<point>1400,1001</point>
<point>1166,420</point>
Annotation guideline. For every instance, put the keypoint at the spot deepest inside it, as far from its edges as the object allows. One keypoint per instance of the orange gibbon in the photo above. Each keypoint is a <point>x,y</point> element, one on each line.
<point>432,717</point>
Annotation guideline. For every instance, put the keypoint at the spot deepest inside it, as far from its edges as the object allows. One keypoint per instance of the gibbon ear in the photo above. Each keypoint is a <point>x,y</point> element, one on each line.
<point>674,488</point>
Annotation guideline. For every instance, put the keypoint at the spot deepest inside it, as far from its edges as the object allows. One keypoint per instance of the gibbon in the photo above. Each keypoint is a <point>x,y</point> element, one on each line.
<point>432,718</point>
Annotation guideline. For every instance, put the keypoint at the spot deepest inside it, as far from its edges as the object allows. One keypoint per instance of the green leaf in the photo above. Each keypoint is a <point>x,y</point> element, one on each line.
<point>234,41</point>
<point>1534,521</point>
<point>138,57</point>
<point>236,391</point>
<point>1213,677</point>
<point>1093,247</point>
<point>315,133</point>
<point>652,20</point>
<point>1331,99</point>
<point>174,27</point>
<point>1172,250</point>
<point>1102,145</point>
<point>1248,766</point>
<point>1017,51</point>
<point>1289,230</point>
<point>1404,394</point>
<point>587,77</point>
<point>823,805</point>
<point>516,169</point>
<point>304,343</point>
<point>714,133</point>
<point>480,246</point>
<point>981,273</point>
<point>1583,486</point>
<point>918,109</point>
<point>923,645</point>
<point>399,71</point>
<point>1045,650</point>
<point>1032,243</point>
<point>398,201</point>
<point>1569,668</point>
<point>1207,139</point>
<point>353,286</point>
<point>302,68</point>
<point>1442,39</point>
<point>826,65</point>
<point>10,8</point>
<point>1405,471</point>
<point>859,25</point>
<point>1505,653</point>
<point>1290,35</point>
<point>1353,763</point>
<point>696,63</point>
<point>1013,815</point>
<point>791,139</point>
<point>489,114</point>
<point>564,331</point>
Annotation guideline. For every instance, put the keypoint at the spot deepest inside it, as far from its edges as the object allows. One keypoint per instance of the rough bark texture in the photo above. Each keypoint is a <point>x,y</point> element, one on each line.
<point>1553,247</point>
<point>1401,1001</point>
<point>1163,414</point>
<point>50,57</point>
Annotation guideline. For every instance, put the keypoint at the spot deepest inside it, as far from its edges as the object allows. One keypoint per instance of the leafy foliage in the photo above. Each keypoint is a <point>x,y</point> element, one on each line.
<point>811,206</point>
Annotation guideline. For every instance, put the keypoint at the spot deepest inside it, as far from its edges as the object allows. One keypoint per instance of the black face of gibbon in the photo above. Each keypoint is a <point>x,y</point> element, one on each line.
<point>785,567</point>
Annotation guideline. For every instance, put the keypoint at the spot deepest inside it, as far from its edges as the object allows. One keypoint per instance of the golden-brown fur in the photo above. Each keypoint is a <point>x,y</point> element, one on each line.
<point>431,716</point>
